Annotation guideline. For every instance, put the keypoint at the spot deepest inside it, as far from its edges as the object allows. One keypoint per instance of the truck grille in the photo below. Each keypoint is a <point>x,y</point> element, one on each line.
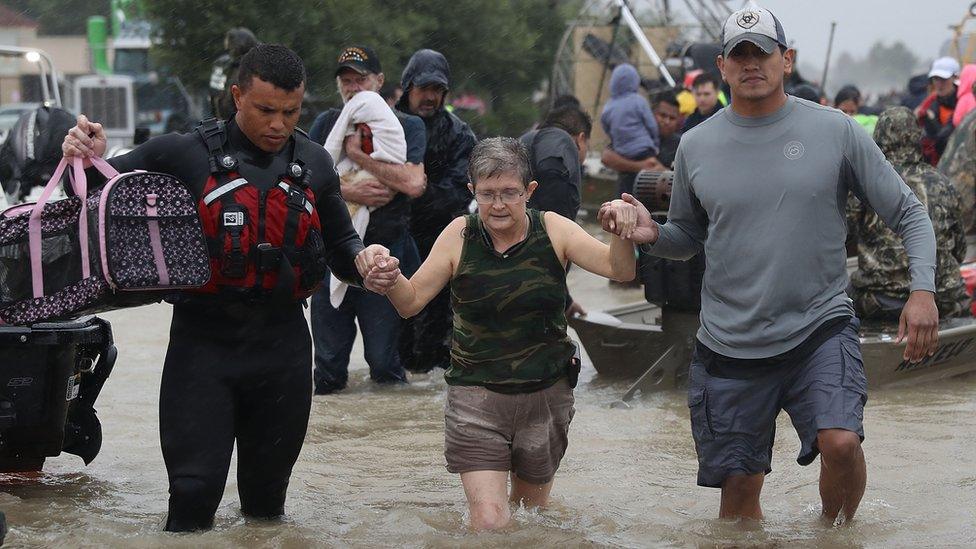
<point>107,105</point>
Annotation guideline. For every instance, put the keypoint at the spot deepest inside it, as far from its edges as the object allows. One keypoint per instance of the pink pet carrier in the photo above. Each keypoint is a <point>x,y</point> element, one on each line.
<point>132,242</point>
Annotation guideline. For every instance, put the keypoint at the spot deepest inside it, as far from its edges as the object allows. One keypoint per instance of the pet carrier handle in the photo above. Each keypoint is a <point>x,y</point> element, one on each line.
<point>103,167</point>
<point>79,183</point>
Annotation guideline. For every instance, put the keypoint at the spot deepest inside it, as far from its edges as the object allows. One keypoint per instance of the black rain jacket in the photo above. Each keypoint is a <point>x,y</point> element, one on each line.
<point>449,144</point>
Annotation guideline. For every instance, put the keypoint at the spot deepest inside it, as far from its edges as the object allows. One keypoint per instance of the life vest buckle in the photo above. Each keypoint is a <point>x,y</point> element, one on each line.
<point>296,199</point>
<point>269,257</point>
<point>234,264</point>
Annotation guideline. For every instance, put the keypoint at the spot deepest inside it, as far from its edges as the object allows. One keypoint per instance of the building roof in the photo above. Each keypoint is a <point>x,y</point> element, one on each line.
<point>12,18</point>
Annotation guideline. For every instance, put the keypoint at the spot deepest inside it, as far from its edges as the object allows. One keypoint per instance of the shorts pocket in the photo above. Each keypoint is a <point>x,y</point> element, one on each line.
<point>561,402</point>
<point>854,378</point>
<point>701,419</point>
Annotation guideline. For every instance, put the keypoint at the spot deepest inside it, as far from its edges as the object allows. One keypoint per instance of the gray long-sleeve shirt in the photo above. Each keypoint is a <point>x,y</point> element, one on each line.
<point>765,197</point>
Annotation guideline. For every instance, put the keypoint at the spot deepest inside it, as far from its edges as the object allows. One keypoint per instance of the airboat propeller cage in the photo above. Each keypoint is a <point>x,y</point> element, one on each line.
<point>667,282</point>
<point>653,189</point>
<point>645,44</point>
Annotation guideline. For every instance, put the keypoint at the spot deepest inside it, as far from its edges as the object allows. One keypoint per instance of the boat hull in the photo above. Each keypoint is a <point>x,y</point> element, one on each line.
<point>624,342</point>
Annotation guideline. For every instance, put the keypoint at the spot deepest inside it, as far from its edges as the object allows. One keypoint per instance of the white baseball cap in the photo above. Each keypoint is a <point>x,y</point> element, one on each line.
<point>752,24</point>
<point>944,67</point>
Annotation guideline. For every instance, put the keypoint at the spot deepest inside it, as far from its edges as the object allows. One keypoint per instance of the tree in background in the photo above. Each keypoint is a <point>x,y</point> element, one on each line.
<point>59,17</point>
<point>500,50</point>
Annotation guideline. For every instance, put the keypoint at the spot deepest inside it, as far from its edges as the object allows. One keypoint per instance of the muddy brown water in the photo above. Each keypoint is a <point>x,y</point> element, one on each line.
<point>371,473</point>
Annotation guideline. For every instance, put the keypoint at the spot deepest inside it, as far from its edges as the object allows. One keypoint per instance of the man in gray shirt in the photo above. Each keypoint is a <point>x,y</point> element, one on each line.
<point>762,187</point>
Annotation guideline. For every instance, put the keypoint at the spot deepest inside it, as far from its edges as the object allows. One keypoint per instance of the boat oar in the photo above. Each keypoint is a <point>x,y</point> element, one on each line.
<point>645,376</point>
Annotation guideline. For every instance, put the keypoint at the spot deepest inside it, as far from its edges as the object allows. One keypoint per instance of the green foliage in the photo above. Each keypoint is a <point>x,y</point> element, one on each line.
<point>500,50</point>
<point>60,16</point>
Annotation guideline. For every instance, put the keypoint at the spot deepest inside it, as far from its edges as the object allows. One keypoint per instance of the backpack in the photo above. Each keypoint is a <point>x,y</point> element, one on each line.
<point>33,149</point>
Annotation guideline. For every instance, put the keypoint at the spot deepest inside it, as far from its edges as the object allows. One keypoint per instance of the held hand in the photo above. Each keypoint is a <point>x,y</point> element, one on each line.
<point>371,256</point>
<point>603,216</point>
<point>646,229</point>
<point>620,218</point>
<point>85,140</point>
<point>368,192</point>
<point>380,271</point>
<point>382,280</point>
<point>629,219</point>
<point>919,324</point>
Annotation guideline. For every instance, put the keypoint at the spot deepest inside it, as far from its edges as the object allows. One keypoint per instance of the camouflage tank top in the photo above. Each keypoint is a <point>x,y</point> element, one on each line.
<point>509,313</point>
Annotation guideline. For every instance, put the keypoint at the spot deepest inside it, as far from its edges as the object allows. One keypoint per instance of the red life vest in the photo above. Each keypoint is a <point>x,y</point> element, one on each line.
<point>263,243</point>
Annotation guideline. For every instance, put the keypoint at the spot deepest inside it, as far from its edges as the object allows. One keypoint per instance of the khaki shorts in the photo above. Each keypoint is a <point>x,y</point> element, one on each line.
<point>523,433</point>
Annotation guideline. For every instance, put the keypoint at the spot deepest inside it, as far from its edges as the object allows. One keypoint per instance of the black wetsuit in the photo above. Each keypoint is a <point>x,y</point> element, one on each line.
<point>238,371</point>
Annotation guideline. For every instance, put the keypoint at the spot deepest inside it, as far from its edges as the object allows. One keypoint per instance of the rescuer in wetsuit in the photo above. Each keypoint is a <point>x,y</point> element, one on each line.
<point>239,369</point>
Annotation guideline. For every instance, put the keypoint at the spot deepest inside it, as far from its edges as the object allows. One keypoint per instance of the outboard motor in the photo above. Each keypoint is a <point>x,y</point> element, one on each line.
<point>32,150</point>
<point>50,375</point>
<point>671,284</point>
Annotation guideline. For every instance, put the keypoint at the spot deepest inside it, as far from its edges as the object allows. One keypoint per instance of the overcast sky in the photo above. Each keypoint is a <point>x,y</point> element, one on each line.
<point>921,24</point>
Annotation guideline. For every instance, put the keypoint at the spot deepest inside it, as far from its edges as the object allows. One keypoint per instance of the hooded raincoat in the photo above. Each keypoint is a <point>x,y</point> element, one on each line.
<point>449,144</point>
<point>882,259</point>
<point>965,102</point>
<point>627,117</point>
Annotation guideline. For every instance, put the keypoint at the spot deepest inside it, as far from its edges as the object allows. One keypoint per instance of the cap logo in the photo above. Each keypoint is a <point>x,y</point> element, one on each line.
<point>747,19</point>
<point>353,54</point>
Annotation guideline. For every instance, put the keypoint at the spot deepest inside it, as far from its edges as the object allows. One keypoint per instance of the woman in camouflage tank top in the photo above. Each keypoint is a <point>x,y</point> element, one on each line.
<point>509,403</point>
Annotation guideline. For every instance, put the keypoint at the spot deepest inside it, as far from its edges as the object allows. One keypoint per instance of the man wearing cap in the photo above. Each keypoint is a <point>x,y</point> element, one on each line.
<point>334,330</point>
<point>761,187</point>
<point>426,338</point>
<point>936,111</point>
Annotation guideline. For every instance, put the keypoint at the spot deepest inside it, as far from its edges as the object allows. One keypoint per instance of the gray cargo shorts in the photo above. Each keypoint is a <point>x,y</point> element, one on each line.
<point>733,421</point>
<point>526,433</point>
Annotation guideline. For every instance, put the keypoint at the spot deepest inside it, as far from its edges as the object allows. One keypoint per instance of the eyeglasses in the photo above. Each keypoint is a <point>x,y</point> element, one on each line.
<point>508,196</point>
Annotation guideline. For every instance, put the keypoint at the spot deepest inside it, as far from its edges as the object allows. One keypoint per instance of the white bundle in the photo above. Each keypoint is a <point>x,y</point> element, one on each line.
<point>389,145</point>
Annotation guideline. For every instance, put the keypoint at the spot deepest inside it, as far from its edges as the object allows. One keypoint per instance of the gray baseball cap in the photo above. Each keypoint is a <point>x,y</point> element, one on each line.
<point>752,24</point>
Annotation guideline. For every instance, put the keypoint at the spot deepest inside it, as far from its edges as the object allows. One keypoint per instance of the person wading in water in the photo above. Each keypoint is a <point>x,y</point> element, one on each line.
<point>761,187</point>
<point>512,373</point>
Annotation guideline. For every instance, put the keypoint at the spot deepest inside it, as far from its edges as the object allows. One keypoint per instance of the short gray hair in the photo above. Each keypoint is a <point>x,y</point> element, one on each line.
<point>497,156</point>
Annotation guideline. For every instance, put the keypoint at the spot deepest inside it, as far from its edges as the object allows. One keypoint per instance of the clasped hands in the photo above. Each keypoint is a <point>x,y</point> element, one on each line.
<point>378,268</point>
<point>627,218</point>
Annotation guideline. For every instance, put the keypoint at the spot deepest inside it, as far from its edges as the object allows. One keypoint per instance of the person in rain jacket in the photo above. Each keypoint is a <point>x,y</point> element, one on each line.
<point>965,101</point>
<point>935,113</point>
<point>425,339</point>
<point>628,121</point>
<point>881,284</point>
<point>957,163</point>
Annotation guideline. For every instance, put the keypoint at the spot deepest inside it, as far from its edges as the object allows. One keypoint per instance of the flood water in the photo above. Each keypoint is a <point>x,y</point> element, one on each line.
<point>372,474</point>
